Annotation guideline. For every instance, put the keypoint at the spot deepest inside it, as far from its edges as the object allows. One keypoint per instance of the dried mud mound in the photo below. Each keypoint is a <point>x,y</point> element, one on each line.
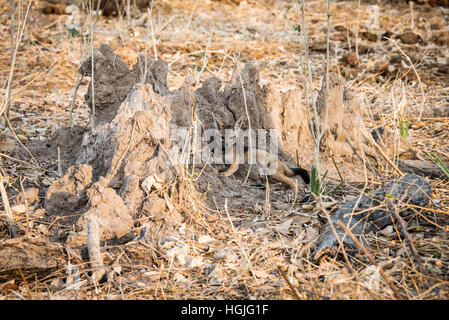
<point>126,168</point>
<point>114,81</point>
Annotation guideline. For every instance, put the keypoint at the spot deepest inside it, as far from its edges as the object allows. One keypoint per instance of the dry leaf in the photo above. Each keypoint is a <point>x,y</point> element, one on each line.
<point>152,181</point>
<point>9,286</point>
<point>19,209</point>
<point>206,239</point>
<point>194,262</point>
<point>299,219</point>
<point>168,202</point>
<point>283,227</point>
<point>180,278</point>
<point>307,207</point>
<point>260,274</point>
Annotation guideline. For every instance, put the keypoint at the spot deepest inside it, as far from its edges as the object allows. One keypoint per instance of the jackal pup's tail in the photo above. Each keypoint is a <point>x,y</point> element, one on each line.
<point>303,173</point>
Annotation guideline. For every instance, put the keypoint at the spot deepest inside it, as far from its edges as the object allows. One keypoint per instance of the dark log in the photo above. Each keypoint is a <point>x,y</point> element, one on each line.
<point>360,219</point>
<point>421,167</point>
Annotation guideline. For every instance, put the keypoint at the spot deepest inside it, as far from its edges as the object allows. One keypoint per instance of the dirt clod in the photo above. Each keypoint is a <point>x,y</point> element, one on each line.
<point>68,194</point>
<point>113,216</point>
<point>29,196</point>
<point>351,59</point>
<point>409,37</point>
<point>28,256</point>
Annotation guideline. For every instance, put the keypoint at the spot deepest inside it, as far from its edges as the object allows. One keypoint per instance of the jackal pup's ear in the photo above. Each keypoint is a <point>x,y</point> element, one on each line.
<point>239,124</point>
<point>219,123</point>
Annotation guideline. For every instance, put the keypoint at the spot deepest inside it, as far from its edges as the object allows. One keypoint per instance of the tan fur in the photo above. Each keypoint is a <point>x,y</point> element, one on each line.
<point>282,173</point>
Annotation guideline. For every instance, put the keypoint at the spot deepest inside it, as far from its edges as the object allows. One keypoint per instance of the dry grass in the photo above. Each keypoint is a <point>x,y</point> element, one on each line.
<point>247,249</point>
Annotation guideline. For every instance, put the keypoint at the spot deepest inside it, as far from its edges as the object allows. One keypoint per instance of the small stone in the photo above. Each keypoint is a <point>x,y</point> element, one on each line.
<point>351,59</point>
<point>408,37</point>
<point>30,195</point>
<point>369,36</point>
<point>154,207</point>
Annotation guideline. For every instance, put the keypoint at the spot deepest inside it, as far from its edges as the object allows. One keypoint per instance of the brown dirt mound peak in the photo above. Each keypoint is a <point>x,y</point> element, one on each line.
<point>113,80</point>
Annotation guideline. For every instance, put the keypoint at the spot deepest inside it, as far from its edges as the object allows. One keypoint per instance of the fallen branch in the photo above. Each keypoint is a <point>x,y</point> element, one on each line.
<point>370,213</point>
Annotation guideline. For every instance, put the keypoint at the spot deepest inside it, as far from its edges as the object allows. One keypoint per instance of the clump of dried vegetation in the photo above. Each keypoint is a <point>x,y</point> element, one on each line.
<point>261,251</point>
